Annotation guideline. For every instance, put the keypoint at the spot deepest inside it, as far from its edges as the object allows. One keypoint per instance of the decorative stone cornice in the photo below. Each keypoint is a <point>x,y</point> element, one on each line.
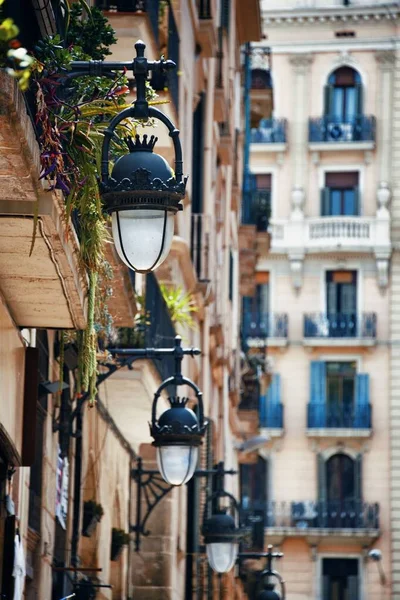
<point>301,62</point>
<point>340,14</point>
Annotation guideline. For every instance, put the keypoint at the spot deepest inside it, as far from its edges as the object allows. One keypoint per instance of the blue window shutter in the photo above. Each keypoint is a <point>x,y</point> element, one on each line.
<point>270,402</point>
<point>362,404</point>
<point>318,393</point>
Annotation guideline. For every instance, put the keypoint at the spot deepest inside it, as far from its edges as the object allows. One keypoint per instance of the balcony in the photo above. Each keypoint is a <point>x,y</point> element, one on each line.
<point>340,329</point>
<point>325,234</point>
<point>256,209</point>
<point>335,420</point>
<point>342,522</point>
<point>265,329</point>
<point>329,133</point>
<point>207,31</point>
<point>270,136</point>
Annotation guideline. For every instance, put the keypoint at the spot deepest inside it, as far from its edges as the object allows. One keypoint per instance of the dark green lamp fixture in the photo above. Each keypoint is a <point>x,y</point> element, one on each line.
<point>265,589</point>
<point>142,194</point>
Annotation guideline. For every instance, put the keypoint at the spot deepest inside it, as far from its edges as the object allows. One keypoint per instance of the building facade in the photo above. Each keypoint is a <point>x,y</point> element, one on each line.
<point>319,233</point>
<point>68,473</point>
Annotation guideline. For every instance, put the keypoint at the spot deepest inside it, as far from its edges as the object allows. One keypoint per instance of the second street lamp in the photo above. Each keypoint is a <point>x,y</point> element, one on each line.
<point>142,193</point>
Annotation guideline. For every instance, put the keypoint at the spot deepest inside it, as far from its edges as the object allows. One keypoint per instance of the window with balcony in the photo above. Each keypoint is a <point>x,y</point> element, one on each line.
<point>343,96</point>
<point>339,397</point>
<point>256,208</point>
<point>340,196</point>
<point>340,579</point>
<point>343,119</point>
<point>341,303</point>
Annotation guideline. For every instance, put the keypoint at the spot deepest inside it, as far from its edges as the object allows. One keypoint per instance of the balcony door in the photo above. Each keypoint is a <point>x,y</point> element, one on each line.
<point>343,97</point>
<point>341,303</point>
<point>254,500</point>
<point>340,578</point>
<point>340,394</point>
<point>342,509</point>
<point>256,309</point>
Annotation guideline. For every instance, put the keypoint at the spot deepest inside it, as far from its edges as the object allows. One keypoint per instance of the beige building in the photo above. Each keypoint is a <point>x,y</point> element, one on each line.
<point>58,479</point>
<point>322,300</point>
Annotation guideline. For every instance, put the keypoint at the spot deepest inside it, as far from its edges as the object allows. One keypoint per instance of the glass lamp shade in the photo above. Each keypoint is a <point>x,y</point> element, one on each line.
<point>143,237</point>
<point>177,463</point>
<point>222,556</point>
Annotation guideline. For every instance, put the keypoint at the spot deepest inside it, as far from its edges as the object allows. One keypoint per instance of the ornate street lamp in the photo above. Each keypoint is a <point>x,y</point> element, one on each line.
<point>221,534</point>
<point>143,193</point>
<point>178,432</point>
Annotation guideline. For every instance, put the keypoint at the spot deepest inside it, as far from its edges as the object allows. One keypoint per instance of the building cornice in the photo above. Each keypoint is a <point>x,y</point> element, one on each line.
<point>353,14</point>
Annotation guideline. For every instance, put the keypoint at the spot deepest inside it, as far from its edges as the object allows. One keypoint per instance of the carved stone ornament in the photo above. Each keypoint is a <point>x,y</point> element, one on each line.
<point>301,62</point>
<point>382,268</point>
<point>383,195</point>
<point>386,59</point>
<point>296,269</point>
<point>297,202</point>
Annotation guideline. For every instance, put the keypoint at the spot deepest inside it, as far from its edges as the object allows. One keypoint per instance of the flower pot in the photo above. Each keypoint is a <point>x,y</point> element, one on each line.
<point>90,521</point>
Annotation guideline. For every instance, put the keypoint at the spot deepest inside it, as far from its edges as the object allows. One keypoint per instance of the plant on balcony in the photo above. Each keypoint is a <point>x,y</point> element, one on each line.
<point>132,337</point>
<point>70,120</point>
<point>92,514</point>
<point>181,305</point>
<point>119,539</point>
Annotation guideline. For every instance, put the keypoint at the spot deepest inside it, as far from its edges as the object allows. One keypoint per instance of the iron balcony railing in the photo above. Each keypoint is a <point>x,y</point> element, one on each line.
<point>200,247</point>
<point>331,514</point>
<point>269,131</point>
<point>340,325</point>
<point>151,7</point>
<point>339,416</point>
<point>270,413</point>
<point>204,9</point>
<point>259,324</point>
<point>331,129</point>
<point>256,209</point>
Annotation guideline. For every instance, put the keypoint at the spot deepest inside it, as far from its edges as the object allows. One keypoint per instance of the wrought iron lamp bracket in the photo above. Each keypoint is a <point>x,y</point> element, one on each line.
<point>151,489</point>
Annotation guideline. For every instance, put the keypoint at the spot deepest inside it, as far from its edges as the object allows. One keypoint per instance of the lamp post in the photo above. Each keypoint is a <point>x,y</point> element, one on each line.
<point>142,194</point>
<point>178,432</point>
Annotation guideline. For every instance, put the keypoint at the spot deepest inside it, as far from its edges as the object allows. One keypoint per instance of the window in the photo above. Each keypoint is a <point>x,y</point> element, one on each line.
<point>343,95</point>
<point>256,309</point>
<point>340,578</point>
<point>340,196</point>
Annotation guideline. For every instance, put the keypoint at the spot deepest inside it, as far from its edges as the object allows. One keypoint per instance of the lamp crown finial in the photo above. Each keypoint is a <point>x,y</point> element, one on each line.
<point>145,144</point>
<point>177,401</point>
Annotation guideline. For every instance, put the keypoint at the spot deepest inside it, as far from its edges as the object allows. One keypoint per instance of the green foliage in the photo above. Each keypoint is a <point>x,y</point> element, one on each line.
<point>12,56</point>
<point>119,537</point>
<point>93,34</point>
<point>181,305</point>
<point>92,507</point>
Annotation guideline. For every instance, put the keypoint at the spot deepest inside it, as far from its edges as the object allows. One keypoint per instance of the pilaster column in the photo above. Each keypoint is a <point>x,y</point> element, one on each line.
<point>386,60</point>
<point>301,64</point>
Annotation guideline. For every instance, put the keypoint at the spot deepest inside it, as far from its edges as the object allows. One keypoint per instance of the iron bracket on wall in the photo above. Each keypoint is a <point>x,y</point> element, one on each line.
<point>152,488</point>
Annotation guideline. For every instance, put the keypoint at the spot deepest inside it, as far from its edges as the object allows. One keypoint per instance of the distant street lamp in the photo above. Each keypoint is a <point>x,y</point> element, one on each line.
<point>142,193</point>
<point>265,589</point>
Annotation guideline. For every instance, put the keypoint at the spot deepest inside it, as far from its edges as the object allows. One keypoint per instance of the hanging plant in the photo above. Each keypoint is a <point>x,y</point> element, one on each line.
<point>92,514</point>
<point>71,119</point>
<point>119,539</point>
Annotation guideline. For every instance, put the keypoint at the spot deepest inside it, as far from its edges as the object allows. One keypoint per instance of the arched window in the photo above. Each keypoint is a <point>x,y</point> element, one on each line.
<point>340,479</point>
<point>343,95</point>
